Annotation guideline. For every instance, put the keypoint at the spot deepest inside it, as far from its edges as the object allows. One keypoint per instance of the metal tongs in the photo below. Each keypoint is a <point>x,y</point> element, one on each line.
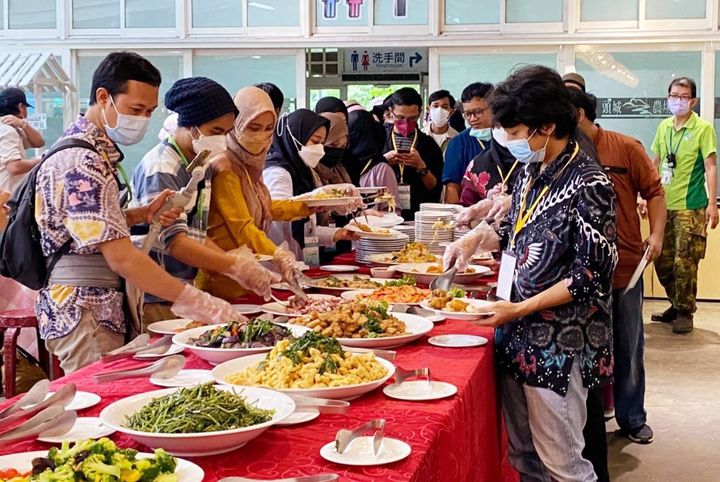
<point>401,374</point>
<point>344,436</point>
<point>35,395</point>
<point>165,368</point>
<point>139,346</point>
<point>61,398</point>
<point>322,405</point>
<point>50,422</point>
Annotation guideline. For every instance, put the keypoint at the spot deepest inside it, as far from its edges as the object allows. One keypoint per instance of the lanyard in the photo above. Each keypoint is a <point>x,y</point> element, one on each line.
<point>126,181</point>
<point>504,179</point>
<point>677,147</point>
<point>412,146</point>
<point>173,143</point>
<point>200,202</point>
<point>524,215</point>
<point>482,145</point>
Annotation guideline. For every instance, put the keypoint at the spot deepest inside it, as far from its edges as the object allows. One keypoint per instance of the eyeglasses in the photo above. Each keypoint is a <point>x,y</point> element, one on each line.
<point>682,97</point>
<point>414,118</point>
<point>477,113</point>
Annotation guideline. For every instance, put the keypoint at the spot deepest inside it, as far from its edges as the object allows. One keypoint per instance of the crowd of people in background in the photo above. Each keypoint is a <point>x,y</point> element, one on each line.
<point>542,183</point>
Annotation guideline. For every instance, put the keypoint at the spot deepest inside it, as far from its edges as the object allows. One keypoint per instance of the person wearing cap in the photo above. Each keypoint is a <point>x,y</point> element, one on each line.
<point>15,136</point>
<point>206,113</point>
<point>573,80</point>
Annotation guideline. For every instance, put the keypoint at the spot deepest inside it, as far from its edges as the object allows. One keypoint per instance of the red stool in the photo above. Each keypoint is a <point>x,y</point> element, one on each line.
<point>10,324</point>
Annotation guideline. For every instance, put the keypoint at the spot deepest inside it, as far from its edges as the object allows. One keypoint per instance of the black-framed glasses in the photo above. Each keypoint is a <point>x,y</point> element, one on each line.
<point>681,97</point>
<point>477,113</point>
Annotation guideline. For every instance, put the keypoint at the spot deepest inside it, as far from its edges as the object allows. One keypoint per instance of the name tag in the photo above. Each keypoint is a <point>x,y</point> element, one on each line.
<point>506,276</point>
<point>666,175</point>
<point>404,195</point>
<point>311,251</point>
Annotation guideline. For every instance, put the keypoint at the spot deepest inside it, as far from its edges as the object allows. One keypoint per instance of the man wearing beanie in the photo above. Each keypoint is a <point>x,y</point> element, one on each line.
<point>206,112</point>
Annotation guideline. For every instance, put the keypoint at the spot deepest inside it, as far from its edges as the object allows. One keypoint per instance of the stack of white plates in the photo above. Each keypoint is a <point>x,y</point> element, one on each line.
<point>406,229</point>
<point>427,232</point>
<point>367,246</point>
<point>450,208</point>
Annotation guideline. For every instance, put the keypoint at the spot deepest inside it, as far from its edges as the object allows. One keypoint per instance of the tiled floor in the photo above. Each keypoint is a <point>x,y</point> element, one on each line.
<point>683,405</point>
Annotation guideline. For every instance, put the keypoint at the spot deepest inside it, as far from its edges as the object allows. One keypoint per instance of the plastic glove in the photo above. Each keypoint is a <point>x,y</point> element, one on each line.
<point>286,263</point>
<point>250,274</point>
<point>477,211</point>
<point>501,207</point>
<point>194,304</point>
<point>460,252</point>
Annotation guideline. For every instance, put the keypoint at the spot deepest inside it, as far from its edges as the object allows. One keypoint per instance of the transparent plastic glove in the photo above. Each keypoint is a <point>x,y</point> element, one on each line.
<point>477,211</point>
<point>250,274</point>
<point>460,252</point>
<point>194,304</point>
<point>501,207</point>
<point>286,263</point>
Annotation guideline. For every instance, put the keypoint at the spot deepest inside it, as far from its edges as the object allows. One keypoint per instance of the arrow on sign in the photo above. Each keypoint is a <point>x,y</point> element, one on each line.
<point>417,58</point>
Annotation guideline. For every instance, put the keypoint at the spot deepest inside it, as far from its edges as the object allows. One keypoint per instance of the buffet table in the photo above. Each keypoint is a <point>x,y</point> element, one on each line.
<point>454,439</point>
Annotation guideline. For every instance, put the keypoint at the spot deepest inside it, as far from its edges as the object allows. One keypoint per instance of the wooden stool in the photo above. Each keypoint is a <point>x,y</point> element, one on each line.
<point>11,322</point>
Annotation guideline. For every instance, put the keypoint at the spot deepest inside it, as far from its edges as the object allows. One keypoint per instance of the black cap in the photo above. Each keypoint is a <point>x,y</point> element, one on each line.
<point>13,96</point>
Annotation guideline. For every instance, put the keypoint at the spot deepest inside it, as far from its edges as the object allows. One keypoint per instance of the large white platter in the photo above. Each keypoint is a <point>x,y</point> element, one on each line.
<point>387,221</point>
<point>458,315</point>
<point>199,444</point>
<point>386,259</point>
<point>418,271</point>
<point>353,295</point>
<point>390,234</point>
<point>277,309</point>
<point>334,201</point>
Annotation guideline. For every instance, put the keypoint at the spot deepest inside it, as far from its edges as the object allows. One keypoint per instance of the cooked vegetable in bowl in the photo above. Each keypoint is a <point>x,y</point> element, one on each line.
<point>255,333</point>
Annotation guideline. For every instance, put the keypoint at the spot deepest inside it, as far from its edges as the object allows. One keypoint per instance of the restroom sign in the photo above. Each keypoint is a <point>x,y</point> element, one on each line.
<point>374,60</point>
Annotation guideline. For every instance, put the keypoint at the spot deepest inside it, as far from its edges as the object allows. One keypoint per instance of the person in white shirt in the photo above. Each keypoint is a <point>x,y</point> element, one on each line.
<point>440,108</point>
<point>15,135</point>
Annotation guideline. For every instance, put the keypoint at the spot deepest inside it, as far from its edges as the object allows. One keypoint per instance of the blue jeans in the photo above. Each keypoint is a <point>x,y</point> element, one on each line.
<point>629,345</point>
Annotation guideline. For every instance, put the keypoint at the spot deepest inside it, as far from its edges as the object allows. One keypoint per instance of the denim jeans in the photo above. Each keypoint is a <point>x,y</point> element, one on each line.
<point>629,344</point>
<point>545,430</point>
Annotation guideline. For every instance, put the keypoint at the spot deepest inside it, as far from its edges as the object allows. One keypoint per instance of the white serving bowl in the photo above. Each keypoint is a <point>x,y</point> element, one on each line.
<point>418,271</point>
<point>335,393</point>
<point>198,444</point>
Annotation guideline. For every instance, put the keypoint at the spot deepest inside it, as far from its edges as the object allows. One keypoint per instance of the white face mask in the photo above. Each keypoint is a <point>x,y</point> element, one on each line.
<point>500,136</point>
<point>439,116</point>
<point>311,155</point>
<point>522,151</point>
<point>215,144</point>
<point>129,129</point>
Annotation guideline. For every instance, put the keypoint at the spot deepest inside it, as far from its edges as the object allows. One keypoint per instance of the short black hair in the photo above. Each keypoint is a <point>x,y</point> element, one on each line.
<point>585,101</point>
<point>534,96</point>
<point>406,96</point>
<point>477,89</point>
<point>684,82</point>
<point>118,68</point>
<point>441,94</point>
<point>276,95</point>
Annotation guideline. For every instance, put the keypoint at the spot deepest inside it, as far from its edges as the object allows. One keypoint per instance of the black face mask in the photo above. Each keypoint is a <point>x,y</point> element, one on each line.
<point>333,156</point>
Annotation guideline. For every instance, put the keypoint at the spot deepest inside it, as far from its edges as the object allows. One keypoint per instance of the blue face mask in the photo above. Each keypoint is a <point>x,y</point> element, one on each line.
<point>482,134</point>
<point>520,149</point>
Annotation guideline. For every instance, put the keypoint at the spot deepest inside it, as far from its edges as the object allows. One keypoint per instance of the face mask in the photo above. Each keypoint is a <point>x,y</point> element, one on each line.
<point>333,156</point>
<point>500,137</point>
<point>254,142</point>
<point>215,144</point>
<point>482,134</point>
<point>521,150</point>
<point>311,155</point>
<point>439,116</point>
<point>129,129</point>
<point>405,127</point>
<point>678,106</point>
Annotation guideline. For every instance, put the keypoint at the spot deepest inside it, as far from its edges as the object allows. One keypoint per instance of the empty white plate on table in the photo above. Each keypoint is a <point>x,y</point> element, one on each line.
<point>339,268</point>
<point>419,390</point>
<point>247,309</point>
<point>172,350</point>
<point>458,341</point>
<point>81,401</point>
<point>84,428</point>
<point>360,452</point>
<point>301,416</point>
<point>184,378</point>
<point>168,327</point>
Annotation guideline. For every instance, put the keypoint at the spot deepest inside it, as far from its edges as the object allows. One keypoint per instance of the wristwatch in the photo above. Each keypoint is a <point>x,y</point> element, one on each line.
<point>423,172</point>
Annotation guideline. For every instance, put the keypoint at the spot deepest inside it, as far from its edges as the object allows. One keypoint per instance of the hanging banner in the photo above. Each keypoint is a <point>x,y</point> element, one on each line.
<point>634,108</point>
<point>374,60</point>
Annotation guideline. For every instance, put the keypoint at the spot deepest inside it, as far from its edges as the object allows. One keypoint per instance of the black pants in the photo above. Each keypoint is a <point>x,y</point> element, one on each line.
<point>595,440</point>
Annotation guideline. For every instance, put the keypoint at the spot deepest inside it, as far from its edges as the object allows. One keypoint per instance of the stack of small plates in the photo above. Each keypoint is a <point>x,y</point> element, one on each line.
<point>367,246</point>
<point>433,237</point>
<point>450,208</point>
<point>408,229</point>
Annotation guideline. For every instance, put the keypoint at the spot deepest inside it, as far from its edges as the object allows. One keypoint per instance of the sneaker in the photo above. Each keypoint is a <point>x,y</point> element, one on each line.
<point>667,316</point>
<point>609,414</point>
<point>641,435</point>
<point>683,324</point>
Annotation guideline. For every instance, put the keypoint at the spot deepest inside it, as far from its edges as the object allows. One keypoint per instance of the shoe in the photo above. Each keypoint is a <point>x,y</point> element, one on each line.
<point>683,324</point>
<point>641,435</point>
<point>667,316</point>
<point>609,414</point>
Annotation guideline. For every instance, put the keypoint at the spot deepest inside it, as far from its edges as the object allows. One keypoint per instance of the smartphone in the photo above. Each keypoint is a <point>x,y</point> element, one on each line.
<point>403,151</point>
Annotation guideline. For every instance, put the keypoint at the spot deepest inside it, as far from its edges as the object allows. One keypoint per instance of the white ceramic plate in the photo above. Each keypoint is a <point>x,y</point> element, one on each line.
<point>215,356</point>
<point>301,416</point>
<point>391,233</point>
<point>459,315</point>
<point>247,309</point>
<point>339,268</point>
<point>334,201</point>
<point>314,282</point>
<point>458,341</point>
<point>84,428</point>
<point>81,401</point>
<point>184,378</point>
<point>186,471</point>
<point>349,392</point>
<point>360,452</point>
<point>386,259</point>
<point>418,271</point>
<point>198,444</point>
<point>418,390</point>
<point>352,295</point>
<point>172,350</point>
<point>276,308</point>
<point>387,221</point>
<point>440,207</point>
<point>168,327</point>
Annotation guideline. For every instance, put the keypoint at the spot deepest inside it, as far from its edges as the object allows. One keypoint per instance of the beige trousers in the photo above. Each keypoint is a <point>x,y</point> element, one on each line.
<point>153,312</point>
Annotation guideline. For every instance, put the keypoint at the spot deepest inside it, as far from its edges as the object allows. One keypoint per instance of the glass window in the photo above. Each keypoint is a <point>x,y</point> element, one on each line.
<point>237,71</point>
<point>530,11</point>
<point>457,71</point>
<point>170,68</point>
<point>674,9</point>
<point>608,10</point>
<point>273,13</point>
<point>401,12</point>
<point>96,14</point>
<point>38,14</point>
<point>217,13</point>
<point>459,12</point>
<point>337,13</point>
<point>154,14</point>
<point>632,87</point>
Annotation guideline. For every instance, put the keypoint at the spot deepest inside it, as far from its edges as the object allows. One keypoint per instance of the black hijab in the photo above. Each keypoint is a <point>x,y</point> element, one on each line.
<point>365,144</point>
<point>331,104</point>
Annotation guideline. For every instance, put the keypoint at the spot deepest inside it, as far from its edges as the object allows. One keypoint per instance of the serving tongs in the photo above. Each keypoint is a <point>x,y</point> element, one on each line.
<point>402,374</point>
<point>35,395</point>
<point>344,436</point>
<point>61,398</point>
<point>165,368</point>
<point>322,405</point>
<point>139,346</point>
<point>50,422</point>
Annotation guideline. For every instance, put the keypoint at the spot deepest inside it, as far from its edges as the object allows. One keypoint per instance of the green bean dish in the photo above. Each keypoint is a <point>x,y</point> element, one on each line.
<point>198,409</point>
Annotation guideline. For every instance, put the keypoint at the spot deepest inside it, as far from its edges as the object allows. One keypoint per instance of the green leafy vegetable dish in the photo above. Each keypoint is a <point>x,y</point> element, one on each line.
<point>407,280</point>
<point>198,409</point>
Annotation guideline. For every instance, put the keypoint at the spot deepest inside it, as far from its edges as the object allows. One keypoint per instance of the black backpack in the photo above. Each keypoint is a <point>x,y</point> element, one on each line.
<point>21,255</point>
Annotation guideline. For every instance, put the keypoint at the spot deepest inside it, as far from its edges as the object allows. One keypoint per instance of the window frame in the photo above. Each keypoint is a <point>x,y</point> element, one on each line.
<point>39,33</point>
<point>245,29</point>
<point>642,24</point>
<point>505,27</point>
<point>123,31</point>
<point>372,29</point>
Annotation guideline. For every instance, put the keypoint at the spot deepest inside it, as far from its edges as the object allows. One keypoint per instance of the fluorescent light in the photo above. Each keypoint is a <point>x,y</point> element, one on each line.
<point>255,57</point>
<point>261,5</point>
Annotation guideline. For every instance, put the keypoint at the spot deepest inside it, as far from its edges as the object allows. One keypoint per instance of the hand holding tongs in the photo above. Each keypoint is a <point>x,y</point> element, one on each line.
<point>401,374</point>
<point>344,437</point>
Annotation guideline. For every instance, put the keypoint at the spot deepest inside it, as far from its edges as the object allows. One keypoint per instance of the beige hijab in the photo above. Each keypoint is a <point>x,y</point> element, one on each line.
<point>251,102</point>
<point>338,131</point>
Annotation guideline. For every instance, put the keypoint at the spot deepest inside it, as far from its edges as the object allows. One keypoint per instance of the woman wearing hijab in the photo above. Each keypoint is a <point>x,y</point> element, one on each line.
<point>331,169</point>
<point>332,105</point>
<point>241,210</point>
<point>289,171</point>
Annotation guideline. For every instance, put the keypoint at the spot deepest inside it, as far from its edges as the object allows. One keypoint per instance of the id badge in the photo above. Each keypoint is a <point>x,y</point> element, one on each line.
<point>666,175</point>
<point>311,251</point>
<point>404,194</point>
<point>506,276</point>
